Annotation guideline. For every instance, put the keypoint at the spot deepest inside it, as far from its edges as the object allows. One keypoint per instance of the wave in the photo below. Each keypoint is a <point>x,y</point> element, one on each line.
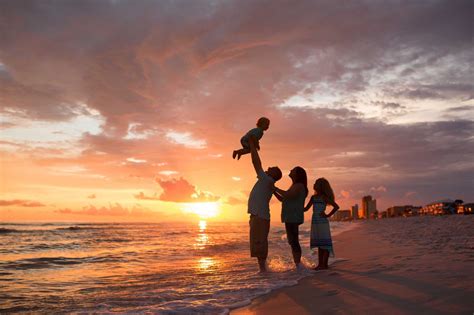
<point>7,231</point>
<point>55,262</point>
<point>40,263</point>
<point>71,228</point>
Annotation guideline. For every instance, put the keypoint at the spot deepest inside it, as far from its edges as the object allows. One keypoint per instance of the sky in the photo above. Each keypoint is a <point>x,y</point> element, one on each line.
<point>130,110</point>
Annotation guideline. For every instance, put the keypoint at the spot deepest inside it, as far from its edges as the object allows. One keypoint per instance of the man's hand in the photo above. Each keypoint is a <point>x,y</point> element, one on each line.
<point>323,215</point>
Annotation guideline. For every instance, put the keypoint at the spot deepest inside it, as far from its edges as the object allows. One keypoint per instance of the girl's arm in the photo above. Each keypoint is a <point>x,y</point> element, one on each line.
<point>335,207</point>
<point>292,192</point>
<point>308,205</point>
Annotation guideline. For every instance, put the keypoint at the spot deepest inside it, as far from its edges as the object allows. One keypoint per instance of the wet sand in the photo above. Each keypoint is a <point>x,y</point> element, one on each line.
<point>418,265</point>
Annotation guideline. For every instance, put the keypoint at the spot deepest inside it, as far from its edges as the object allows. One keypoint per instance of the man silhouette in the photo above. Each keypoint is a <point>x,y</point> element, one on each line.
<point>258,207</point>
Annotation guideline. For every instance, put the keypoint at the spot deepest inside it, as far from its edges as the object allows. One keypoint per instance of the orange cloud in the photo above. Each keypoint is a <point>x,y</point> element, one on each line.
<point>180,190</point>
<point>141,196</point>
<point>21,203</point>
<point>112,210</point>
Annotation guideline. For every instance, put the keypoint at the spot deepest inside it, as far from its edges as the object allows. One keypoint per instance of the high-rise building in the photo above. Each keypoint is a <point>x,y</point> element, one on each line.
<point>355,212</point>
<point>369,207</point>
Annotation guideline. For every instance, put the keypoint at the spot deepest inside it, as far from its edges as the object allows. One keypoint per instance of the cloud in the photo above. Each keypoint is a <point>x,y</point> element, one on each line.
<point>345,193</point>
<point>141,196</point>
<point>180,190</point>
<point>378,189</point>
<point>21,203</point>
<point>112,210</point>
<point>186,139</point>
<point>93,196</point>
<point>374,100</point>
<point>167,172</point>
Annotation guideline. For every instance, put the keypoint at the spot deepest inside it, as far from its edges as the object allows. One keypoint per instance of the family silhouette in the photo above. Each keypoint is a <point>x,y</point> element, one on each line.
<point>292,205</point>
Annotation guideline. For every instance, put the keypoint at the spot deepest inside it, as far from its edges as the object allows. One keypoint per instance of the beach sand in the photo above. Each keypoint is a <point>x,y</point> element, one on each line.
<point>418,265</point>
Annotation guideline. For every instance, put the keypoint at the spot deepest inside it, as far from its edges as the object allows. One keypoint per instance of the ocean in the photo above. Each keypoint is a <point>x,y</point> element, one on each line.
<point>165,268</point>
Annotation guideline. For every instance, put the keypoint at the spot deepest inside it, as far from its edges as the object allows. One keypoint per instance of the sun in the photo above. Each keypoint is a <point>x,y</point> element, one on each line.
<point>203,209</point>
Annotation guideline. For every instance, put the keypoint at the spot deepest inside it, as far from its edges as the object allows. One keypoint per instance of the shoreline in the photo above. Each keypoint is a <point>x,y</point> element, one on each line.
<point>376,273</point>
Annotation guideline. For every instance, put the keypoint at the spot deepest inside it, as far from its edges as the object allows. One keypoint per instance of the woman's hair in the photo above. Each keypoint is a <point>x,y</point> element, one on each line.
<point>300,177</point>
<point>323,188</point>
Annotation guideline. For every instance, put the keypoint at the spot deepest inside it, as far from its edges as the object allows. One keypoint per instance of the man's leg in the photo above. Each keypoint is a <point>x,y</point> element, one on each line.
<point>259,229</point>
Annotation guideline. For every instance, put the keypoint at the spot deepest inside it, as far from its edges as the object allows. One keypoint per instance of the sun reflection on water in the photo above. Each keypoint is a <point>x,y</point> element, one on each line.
<point>206,263</point>
<point>201,239</point>
<point>202,225</point>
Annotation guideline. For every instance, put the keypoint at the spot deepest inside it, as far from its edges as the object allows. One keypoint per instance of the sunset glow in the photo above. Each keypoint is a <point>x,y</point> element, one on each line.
<point>102,119</point>
<point>203,209</point>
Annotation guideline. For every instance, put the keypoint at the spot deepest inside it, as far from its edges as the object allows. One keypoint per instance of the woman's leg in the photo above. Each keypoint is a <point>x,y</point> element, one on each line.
<point>325,259</point>
<point>292,234</point>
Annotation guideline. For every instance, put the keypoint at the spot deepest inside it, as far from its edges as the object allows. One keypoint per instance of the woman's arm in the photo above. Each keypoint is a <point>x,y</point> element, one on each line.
<point>292,192</point>
<point>309,204</point>
<point>335,207</point>
<point>277,195</point>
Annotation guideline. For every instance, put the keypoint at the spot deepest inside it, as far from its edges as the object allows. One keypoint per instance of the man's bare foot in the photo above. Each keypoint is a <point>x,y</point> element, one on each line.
<point>234,154</point>
<point>238,156</point>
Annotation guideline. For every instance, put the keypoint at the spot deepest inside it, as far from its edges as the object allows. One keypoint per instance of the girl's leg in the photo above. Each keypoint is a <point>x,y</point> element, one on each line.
<point>320,259</point>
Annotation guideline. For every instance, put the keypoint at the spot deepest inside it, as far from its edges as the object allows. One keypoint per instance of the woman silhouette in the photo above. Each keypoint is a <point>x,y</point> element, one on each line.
<point>292,209</point>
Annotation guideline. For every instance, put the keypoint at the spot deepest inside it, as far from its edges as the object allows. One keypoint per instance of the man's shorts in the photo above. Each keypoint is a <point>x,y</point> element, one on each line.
<point>259,229</point>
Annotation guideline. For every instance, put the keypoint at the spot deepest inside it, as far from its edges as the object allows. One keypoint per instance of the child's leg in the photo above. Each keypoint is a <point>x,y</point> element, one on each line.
<point>240,152</point>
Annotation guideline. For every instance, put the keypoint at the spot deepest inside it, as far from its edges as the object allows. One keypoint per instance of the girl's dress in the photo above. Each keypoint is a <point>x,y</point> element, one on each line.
<point>320,231</point>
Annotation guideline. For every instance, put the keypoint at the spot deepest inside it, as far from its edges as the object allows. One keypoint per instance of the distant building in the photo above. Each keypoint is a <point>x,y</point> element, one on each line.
<point>342,215</point>
<point>395,211</point>
<point>368,208</point>
<point>412,211</point>
<point>382,215</point>
<point>406,211</point>
<point>468,208</point>
<point>459,204</point>
<point>446,206</point>
<point>355,212</point>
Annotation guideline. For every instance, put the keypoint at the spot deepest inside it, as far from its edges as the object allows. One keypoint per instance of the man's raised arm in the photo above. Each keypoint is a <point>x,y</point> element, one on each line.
<point>257,164</point>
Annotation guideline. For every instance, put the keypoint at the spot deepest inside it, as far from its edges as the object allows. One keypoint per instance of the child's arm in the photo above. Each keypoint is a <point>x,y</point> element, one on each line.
<point>309,204</point>
<point>335,207</point>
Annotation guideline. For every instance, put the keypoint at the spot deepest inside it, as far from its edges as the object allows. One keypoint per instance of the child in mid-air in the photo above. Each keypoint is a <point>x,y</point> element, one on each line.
<point>320,231</point>
<point>256,133</point>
